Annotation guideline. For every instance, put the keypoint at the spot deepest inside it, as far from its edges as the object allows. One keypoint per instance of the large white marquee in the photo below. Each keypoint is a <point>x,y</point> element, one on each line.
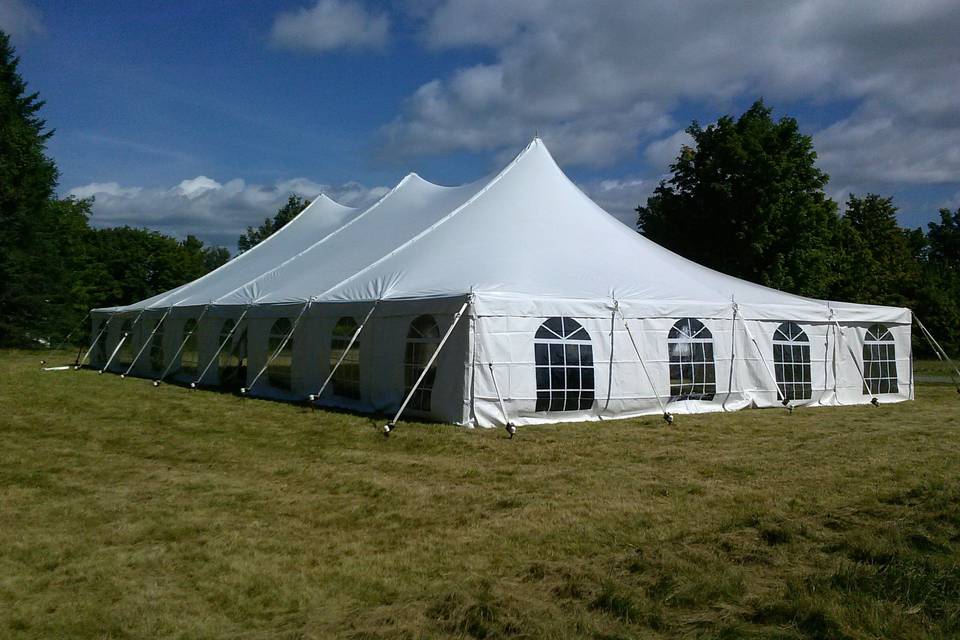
<point>512,300</point>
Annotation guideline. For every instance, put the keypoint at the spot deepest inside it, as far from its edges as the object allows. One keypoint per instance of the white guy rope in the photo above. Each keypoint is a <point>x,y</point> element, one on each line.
<point>390,426</point>
<point>146,342</point>
<point>75,329</point>
<point>937,349</point>
<point>667,416</point>
<point>353,338</point>
<point>283,343</point>
<point>176,354</point>
<point>216,354</point>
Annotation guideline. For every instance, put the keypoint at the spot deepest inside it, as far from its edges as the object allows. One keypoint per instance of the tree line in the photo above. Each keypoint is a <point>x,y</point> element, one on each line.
<point>54,267</point>
<point>747,198</point>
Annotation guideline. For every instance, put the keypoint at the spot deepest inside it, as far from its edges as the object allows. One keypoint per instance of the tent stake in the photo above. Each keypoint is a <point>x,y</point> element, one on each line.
<point>356,334</point>
<point>176,354</point>
<point>667,416</point>
<point>283,343</point>
<point>146,342</point>
<point>390,426</point>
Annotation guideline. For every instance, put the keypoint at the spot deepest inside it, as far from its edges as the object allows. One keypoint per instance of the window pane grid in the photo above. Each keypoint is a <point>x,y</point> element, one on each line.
<point>791,362</point>
<point>279,370</point>
<point>564,366</point>
<point>422,341</point>
<point>692,370</point>
<point>346,379</point>
<point>879,361</point>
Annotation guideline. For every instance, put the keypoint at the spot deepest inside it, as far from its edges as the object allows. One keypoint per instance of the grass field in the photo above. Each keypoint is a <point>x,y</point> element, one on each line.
<point>133,512</point>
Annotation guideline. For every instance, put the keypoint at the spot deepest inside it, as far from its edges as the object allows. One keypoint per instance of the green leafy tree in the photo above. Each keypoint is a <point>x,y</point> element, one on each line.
<point>879,262</point>
<point>938,304</point>
<point>286,213</point>
<point>747,199</point>
<point>27,180</point>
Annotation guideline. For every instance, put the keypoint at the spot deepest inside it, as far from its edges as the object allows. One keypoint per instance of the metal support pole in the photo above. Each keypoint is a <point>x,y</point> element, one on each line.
<point>941,354</point>
<point>667,416</point>
<point>509,426</point>
<point>279,348</point>
<point>776,385</point>
<point>176,354</point>
<point>390,426</point>
<point>146,343</point>
<point>103,329</point>
<point>856,362</point>
<point>216,354</point>
<point>356,334</point>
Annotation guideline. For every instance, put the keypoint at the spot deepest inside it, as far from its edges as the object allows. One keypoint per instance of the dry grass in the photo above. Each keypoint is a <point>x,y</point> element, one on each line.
<point>129,511</point>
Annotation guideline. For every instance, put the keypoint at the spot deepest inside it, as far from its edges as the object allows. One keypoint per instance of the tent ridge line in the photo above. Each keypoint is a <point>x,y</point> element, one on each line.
<point>321,240</point>
<point>433,226</point>
<point>158,305</point>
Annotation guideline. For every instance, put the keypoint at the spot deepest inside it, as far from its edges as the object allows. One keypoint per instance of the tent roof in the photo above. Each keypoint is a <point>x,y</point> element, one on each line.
<point>526,232</point>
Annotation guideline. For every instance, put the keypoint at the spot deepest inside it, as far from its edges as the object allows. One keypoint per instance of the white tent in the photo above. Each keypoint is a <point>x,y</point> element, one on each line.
<point>544,308</point>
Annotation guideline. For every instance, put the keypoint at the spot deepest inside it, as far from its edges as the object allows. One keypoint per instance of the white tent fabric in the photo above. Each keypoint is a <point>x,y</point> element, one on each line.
<point>524,247</point>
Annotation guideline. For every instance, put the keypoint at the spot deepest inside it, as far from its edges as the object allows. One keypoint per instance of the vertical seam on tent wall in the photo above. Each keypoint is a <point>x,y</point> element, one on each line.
<point>433,226</point>
<point>473,342</point>
<point>733,355</point>
<point>613,325</point>
<point>321,240</point>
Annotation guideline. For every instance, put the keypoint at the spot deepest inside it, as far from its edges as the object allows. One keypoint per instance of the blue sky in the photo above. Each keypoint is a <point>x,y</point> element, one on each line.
<point>202,117</point>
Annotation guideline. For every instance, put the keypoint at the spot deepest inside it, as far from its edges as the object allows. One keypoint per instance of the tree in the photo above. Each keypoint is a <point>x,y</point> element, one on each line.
<point>286,213</point>
<point>27,180</point>
<point>748,200</point>
<point>938,299</point>
<point>878,261</point>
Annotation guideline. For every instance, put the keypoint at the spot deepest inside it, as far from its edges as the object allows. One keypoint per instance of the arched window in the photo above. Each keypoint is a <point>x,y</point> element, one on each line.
<point>693,374</point>
<point>422,341</point>
<point>879,361</point>
<point>233,357</point>
<point>278,373</point>
<point>564,361</point>
<point>156,349</point>
<point>125,355</point>
<point>791,361</point>
<point>190,355</point>
<point>346,379</point>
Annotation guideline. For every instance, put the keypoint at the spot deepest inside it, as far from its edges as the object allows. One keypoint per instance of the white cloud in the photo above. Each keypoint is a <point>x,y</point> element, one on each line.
<point>19,19</point>
<point>620,197</point>
<point>602,80</point>
<point>217,213</point>
<point>662,153</point>
<point>330,25</point>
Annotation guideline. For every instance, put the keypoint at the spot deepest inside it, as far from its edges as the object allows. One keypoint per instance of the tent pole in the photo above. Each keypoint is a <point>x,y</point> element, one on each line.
<point>390,426</point>
<point>509,426</point>
<point>146,343</point>
<point>667,416</point>
<point>941,354</point>
<point>856,362</point>
<point>176,354</point>
<point>122,340</point>
<point>103,329</point>
<point>279,348</point>
<point>776,385</point>
<point>216,354</point>
<point>356,334</point>
<point>613,322</point>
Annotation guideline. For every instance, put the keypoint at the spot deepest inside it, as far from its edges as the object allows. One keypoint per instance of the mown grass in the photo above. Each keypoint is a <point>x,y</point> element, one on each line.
<point>133,512</point>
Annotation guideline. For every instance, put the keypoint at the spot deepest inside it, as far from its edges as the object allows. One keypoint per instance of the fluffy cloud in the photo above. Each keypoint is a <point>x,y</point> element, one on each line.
<point>19,19</point>
<point>602,80</point>
<point>330,25</point>
<point>620,197</point>
<point>217,213</point>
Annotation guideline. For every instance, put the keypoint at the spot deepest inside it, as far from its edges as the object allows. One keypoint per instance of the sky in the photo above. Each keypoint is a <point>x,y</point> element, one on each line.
<point>203,117</point>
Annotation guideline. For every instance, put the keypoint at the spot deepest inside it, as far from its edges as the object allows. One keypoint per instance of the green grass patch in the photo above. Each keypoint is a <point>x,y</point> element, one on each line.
<point>128,511</point>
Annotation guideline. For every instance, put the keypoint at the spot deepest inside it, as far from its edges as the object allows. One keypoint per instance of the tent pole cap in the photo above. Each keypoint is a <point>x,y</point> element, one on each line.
<point>387,428</point>
<point>156,383</point>
<point>511,429</point>
<point>668,417</point>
